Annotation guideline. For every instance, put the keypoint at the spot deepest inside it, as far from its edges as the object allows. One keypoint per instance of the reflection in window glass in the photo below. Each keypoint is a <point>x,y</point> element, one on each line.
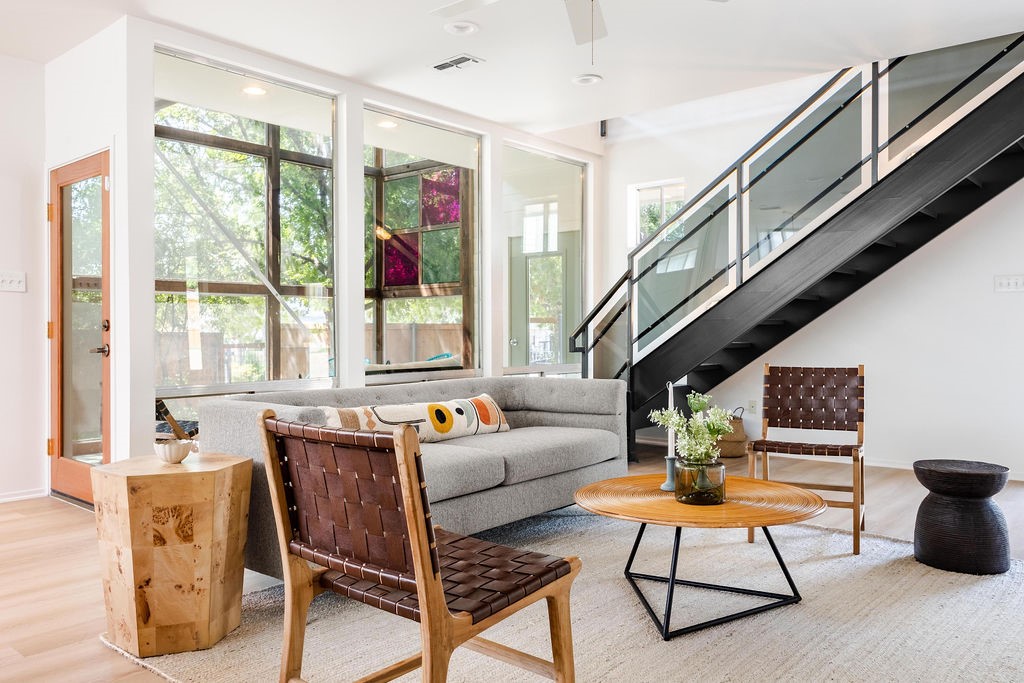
<point>402,203</point>
<point>393,158</point>
<point>657,204</point>
<point>186,117</point>
<point>210,339</point>
<point>402,260</point>
<point>314,144</point>
<point>369,231</point>
<point>306,339</point>
<point>370,330</point>
<point>210,213</point>
<point>229,308</point>
<point>423,329</point>
<point>418,241</point>
<point>86,201</point>
<point>307,225</point>
<point>440,197</point>
<point>544,220</point>
<point>545,302</point>
<point>441,256</point>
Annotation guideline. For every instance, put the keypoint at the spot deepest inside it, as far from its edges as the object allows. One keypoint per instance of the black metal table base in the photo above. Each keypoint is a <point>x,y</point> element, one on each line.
<point>778,599</point>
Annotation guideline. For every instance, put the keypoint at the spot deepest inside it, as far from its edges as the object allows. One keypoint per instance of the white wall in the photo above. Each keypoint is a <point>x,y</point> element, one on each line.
<point>23,234</point>
<point>87,111</point>
<point>941,350</point>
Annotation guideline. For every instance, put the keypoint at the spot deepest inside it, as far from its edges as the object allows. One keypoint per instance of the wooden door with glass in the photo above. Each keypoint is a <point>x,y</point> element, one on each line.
<point>79,326</point>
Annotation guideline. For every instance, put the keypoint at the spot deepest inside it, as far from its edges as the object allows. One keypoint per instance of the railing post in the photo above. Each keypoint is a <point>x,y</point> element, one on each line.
<point>585,355</point>
<point>630,337</point>
<point>875,92</point>
<point>741,217</point>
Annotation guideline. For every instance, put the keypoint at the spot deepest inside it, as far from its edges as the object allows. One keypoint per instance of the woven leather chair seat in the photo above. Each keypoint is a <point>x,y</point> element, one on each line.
<point>352,512</point>
<point>479,577</point>
<point>795,448</point>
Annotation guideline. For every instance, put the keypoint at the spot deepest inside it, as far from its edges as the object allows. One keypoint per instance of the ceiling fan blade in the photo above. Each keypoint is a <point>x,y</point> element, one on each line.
<point>586,26</point>
<point>461,7</point>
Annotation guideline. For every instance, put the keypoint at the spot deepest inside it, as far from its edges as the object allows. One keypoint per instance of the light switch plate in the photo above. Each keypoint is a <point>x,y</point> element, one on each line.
<point>1009,283</point>
<point>12,281</point>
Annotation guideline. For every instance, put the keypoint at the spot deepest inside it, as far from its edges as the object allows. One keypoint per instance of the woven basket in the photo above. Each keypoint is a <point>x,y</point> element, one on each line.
<point>734,445</point>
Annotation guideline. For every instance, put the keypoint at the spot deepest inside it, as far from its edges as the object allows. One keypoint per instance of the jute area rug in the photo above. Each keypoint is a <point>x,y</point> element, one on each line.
<point>879,616</point>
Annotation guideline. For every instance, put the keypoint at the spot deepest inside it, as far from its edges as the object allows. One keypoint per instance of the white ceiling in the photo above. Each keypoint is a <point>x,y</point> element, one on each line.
<point>657,52</point>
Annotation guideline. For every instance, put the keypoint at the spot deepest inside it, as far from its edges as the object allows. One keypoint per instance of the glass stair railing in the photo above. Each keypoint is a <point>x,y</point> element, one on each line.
<point>859,127</point>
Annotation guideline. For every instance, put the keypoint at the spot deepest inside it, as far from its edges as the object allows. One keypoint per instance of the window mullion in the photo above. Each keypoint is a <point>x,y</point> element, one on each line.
<point>273,251</point>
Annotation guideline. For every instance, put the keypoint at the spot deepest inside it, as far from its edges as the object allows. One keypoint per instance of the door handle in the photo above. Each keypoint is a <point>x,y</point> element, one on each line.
<point>105,350</point>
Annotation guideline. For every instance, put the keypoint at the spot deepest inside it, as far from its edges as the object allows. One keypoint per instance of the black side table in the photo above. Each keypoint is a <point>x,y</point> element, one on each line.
<point>959,528</point>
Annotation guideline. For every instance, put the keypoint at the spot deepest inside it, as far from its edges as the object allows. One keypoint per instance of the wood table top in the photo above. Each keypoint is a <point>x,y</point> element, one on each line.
<point>151,465</point>
<point>748,503</point>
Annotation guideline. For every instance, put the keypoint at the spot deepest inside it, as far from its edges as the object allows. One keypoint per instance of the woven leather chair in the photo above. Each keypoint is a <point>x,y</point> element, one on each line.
<point>352,517</point>
<point>815,399</point>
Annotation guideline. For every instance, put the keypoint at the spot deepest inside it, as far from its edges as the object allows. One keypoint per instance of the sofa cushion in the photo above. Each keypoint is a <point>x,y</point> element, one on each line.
<point>436,421</point>
<point>452,471</point>
<point>534,452</point>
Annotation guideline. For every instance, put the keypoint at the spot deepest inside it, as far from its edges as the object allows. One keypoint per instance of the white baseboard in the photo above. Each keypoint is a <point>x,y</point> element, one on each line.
<point>11,496</point>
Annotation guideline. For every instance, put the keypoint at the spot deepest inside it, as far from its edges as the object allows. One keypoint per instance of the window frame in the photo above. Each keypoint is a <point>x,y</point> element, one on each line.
<point>274,156</point>
<point>465,288</point>
<point>633,205</point>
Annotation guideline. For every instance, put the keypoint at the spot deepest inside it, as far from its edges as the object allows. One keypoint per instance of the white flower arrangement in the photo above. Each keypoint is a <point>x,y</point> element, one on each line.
<point>696,437</point>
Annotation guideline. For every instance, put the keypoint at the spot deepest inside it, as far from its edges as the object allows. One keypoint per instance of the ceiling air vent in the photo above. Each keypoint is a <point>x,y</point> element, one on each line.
<point>462,61</point>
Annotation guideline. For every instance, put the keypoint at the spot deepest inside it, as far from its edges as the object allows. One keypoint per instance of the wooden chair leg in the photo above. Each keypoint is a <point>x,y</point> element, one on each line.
<point>858,510</point>
<point>561,637</point>
<point>297,597</point>
<point>863,499</point>
<point>435,663</point>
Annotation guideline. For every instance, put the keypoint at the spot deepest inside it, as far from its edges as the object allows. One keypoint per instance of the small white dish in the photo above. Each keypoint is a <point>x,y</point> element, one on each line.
<point>173,451</point>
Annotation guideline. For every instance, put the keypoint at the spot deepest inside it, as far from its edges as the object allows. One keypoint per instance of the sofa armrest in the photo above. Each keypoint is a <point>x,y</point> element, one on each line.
<point>232,427</point>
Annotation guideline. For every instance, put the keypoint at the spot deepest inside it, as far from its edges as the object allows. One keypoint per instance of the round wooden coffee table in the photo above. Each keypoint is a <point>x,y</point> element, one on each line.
<point>749,503</point>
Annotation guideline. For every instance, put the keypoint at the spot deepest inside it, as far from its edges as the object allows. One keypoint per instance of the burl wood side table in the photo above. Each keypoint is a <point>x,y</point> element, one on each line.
<point>172,539</point>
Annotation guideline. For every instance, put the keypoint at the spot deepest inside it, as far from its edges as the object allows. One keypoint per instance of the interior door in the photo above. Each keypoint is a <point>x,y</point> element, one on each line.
<point>79,324</point>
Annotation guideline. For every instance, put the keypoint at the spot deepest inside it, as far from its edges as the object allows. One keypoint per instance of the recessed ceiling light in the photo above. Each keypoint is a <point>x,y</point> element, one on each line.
<point>461,28</point>
<point>254,90</point>
<point>587,79</point>
<point>387,123</point>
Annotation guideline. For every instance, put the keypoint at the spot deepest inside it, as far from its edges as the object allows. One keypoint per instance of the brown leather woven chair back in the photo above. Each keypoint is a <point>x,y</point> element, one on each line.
<point>344,499</point>
<point>814,398</point>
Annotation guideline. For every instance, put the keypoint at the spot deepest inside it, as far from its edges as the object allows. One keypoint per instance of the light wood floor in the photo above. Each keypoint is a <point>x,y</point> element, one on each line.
<point>51,603</point>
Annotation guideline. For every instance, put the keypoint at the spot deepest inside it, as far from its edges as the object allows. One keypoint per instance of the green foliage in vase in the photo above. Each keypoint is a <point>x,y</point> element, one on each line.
<point>697,436</point>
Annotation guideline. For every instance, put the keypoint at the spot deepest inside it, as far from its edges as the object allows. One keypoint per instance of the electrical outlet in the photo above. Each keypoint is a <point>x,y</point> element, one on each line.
<point>12,281</point>
<point>752,404</point>
<point>1009,283</point>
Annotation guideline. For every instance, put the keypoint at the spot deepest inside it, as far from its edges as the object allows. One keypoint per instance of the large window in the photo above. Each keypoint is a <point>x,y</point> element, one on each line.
<point>419,256</point>
<point>543,201</point>
<point>244,230</point>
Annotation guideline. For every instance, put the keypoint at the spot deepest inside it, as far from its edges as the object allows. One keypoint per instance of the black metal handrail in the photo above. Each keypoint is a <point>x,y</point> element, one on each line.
<point>739,162</point>
<point>737,168</point>
<point>952,93</point>
<point>582,327</point>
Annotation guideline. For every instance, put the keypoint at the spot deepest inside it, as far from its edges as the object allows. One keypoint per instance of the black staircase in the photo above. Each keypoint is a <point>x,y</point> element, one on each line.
<point>974,160</point>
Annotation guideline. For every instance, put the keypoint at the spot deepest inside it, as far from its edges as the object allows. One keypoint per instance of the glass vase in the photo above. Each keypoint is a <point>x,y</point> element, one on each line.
<point>700,483</point>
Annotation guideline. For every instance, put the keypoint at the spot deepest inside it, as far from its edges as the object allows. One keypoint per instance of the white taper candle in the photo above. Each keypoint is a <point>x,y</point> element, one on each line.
<point>671,433</point>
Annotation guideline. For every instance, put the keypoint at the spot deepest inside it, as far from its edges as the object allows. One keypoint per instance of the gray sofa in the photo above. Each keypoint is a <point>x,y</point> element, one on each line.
<point>564,433</point>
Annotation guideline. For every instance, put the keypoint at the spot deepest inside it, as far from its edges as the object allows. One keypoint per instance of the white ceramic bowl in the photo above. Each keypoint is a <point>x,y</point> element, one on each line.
<point>173,451</point>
